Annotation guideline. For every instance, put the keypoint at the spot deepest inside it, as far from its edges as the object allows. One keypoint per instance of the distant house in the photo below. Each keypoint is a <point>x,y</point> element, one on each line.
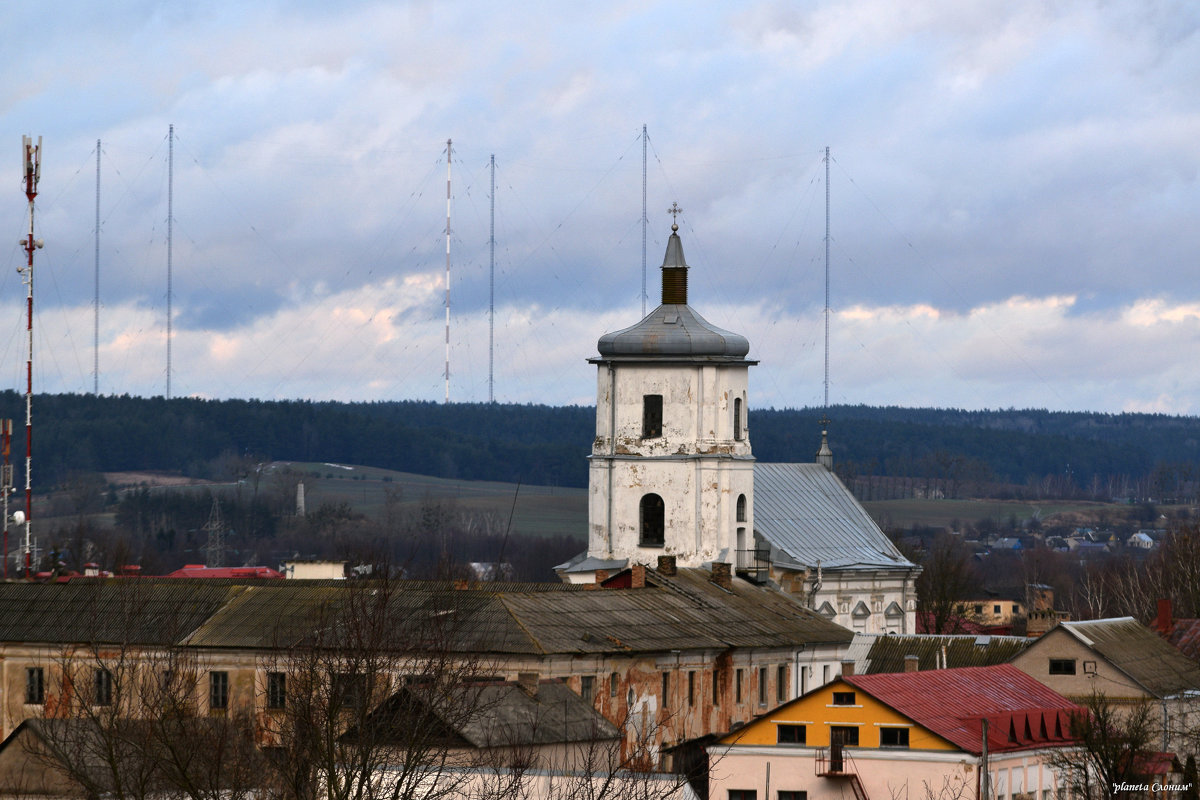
<point>1140,540</point>
<point>1128,663</point>
<point>884,736</point>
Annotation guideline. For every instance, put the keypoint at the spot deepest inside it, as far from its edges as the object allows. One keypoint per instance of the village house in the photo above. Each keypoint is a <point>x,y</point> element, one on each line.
<point>1126,662</point>
<point>876,737</point>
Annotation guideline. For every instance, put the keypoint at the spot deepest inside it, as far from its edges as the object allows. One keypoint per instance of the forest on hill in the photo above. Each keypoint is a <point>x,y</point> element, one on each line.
<point>972,452</point>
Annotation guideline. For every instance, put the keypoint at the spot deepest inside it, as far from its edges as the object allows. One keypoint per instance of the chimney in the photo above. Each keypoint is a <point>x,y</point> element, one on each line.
<point>528,681</point>
<point>1162,622</point>
<point>912,663</point>
<point>637,576</point>
<point>847,668</point>
<point>601,576</point>
<point>666,566</point>
<point>722,575</point>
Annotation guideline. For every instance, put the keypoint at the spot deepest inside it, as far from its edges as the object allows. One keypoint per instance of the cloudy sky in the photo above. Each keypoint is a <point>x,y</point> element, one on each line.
<point>1013,185</point>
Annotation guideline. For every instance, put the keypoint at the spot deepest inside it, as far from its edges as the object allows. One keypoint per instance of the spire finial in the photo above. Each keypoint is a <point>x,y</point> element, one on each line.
<point>674,211</point>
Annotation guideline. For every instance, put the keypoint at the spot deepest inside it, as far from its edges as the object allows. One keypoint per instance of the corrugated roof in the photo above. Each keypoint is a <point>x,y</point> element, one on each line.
<point>876,653</point>
<point>1140,653</point>
<point>1007,697</point>
<point>805,511</point>
<point>680,613</point>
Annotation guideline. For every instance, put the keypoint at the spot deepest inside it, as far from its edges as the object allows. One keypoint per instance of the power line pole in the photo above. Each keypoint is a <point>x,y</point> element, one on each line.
<point>826,278</point>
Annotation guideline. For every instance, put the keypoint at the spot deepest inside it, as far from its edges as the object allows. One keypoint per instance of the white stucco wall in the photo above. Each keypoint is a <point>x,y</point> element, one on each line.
<point>696,465</point>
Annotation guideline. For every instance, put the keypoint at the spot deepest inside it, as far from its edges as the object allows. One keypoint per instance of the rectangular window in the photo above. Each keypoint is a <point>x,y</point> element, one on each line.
<point>995,609</point>
<point>348,690</point>
<point>791,734</point>
<point>104,686</point>
<point>666,688</point>
<point>1062,666</point>
<point>276,690</point>
<point>781,683</point>
<point>717,677</point>
<point>652,406</point>
<point>737,685</point>
<point>614,681</point>
<point>844,734</point>
<point>737,418</point>
<point>843,698</point>
<point>893,737</point>
<point>35,686</point>
<point>785,794</point>
<point>587,687</point>
<point>691,688</point>
<point>762,686</point>
<point>743,794</point>
<point>218,690</point>
<point>979,610</point>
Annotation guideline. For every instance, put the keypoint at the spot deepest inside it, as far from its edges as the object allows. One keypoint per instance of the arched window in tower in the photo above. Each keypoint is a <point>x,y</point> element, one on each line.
<point>737,418</point>
<point>741,508</point>
<point>653,521</point>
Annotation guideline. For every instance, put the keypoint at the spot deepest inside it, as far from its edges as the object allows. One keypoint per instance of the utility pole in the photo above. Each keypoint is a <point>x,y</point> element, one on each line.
<point>449,151</point>
<point>492,294</point>
<point>170,223</point>
<point>96,300</point>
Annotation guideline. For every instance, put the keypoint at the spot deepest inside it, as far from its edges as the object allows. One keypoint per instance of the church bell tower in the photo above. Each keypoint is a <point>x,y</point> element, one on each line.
<point>671,471</point>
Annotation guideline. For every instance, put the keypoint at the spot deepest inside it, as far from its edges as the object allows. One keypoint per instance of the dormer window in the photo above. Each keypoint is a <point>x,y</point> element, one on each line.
<point>652,407</point>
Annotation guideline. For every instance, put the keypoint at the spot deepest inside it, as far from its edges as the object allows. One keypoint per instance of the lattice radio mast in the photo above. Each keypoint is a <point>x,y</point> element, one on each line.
<point>826,278</point>
<point>645,221</point>
<point>449,151</point>
<point>492,294</point>
<point>32,158</point>
<point>96,300</point>
<point>170,223</point>
<point>215,552</point>
<point>6,480</point>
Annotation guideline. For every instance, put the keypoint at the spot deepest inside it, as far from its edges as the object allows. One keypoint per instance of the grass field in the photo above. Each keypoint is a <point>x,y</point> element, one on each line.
<point>944,513</point>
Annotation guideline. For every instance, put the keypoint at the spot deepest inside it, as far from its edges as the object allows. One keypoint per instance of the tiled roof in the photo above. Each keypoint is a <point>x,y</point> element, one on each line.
<point>683,612</point>
<point>1021,712</point>
<point>806,512</point>
<point>875,653</point>
<point>1138,652</point>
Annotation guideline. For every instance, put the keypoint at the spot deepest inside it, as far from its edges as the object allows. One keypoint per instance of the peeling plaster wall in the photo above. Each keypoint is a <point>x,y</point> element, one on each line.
<point>696,465</point>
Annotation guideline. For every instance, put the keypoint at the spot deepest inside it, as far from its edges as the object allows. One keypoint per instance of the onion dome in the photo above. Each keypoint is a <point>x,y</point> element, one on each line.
<point>674,330</point>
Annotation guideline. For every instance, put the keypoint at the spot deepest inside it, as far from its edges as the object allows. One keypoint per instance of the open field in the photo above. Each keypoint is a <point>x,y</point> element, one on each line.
<point>946,513</point>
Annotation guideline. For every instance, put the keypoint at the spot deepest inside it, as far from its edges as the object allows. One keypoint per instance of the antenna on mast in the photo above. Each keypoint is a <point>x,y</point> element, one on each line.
<point>32,162</point>
<point>96,301</point>
<point>170,222</point>
<point>449,151</point>
<point>492,294</point>
<point>6,480</point>
<point>645,220</point>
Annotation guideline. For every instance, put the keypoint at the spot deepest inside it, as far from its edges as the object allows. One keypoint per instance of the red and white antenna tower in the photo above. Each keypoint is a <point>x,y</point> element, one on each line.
<point>32,162</point>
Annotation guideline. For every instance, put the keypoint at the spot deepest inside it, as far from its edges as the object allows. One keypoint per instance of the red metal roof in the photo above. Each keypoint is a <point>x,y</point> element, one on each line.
<point>1021,712</point>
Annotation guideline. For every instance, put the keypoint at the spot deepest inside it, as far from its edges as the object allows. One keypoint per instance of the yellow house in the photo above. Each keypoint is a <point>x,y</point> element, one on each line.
<point>901,734</point>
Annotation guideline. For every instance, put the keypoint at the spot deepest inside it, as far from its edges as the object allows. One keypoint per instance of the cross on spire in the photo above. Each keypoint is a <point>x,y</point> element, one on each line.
<point>674,211</point>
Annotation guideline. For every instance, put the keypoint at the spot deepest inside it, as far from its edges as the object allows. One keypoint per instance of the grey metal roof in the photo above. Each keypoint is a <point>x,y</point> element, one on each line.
<point>875,653</point>
<point>1140,653</point>
<point>673,332</point>
<point>804,511</point>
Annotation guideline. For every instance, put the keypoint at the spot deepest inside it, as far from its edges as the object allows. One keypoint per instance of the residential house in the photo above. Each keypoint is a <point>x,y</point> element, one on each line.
<point>874,653</point>
<point>1128,663</point>
<point>884,736</point>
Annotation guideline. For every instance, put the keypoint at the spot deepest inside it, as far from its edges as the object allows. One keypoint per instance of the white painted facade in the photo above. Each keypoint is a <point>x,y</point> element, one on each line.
<point>698,464</point>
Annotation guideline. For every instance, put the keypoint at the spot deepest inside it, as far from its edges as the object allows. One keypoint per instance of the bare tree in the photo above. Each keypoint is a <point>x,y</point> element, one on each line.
<point>1113,745</point>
